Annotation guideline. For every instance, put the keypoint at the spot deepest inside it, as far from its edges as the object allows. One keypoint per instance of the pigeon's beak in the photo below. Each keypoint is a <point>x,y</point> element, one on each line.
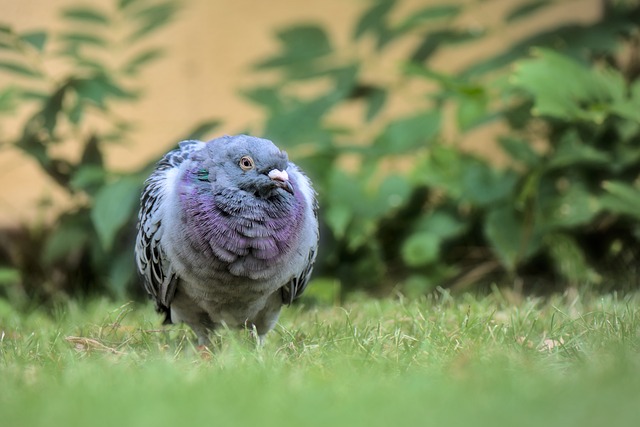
<point>281,179</point>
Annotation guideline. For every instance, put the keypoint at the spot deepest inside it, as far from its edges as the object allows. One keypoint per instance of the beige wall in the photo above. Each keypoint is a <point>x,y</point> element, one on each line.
<point>210,48</point>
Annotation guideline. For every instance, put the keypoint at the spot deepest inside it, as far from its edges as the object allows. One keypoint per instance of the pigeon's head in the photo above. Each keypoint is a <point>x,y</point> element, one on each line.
<point>250,164</point>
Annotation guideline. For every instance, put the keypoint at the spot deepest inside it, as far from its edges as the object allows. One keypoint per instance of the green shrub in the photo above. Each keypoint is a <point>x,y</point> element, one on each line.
<point>402,205</point>
<point>72,81</point>
<point>414,210</point>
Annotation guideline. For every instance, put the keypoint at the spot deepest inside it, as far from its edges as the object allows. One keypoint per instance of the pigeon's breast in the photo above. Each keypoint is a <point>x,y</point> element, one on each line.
<point>238,234</point>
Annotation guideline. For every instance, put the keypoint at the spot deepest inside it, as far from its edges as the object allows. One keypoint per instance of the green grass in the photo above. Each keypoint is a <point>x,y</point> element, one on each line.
<point>565,361</point>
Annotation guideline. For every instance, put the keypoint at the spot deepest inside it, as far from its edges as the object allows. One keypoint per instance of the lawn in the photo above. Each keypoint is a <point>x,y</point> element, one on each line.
<point>499,359</point>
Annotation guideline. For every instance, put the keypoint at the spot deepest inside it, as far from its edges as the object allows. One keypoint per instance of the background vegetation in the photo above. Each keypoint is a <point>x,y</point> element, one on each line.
<point>104,54</point>
<point>417,210</point>
<point>403,207</point>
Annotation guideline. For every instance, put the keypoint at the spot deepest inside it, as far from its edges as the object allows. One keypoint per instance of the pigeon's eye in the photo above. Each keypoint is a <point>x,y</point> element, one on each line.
<point>246,163</point>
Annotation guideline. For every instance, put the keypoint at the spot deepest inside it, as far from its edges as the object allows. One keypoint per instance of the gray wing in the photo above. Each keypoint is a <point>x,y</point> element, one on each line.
<point>153,265</point>
<point>298,284</point>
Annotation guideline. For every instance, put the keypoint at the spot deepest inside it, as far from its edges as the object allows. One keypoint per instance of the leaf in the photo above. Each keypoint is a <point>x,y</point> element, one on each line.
<point>414,69</point>
<point>92,154</point>
<point>9,276</point>
<point>95,65</point>
<point>420,249</point>
<point>124,4</point>
<point>338,219</point>
<point>442,169</point>
<point>373,20</point>
<point>319,163</point>
<point>627,110</point>
<point>152,18</point>
<point>344,79</point>
<point>406,134</point>
<point>575,93</point>
<point>9,99</point>
<point>99,88</point>
<point>471,111</point>
<point>19,69</point>
<point>442,224</point>
<point>299,44</point>
<point>510,238</point>
<point>88,178</point>
<point>519,149</point>
<point>37,39</point>
<point>267,97</point>
<point>463,89</point>
<point>625,156</point>
<point>572,151</point>
<point>113,207</point>
<point>68,237</point>
<point>571,39</point>
<point>121,273</point>
<point>300,121</point>
<point>390,194</point>
<point>484,185</point>
<point>53,107</point>
<point>33,141</point>
<point>76,112</point>
<point>344,189</point>
<point>375,102</point>
<point>33,95</point>
<point>345,201</point>
<point>524,10</point>
<point>83,38</point>
<point>427,15</point>
<point>621,198</point>
<point>86,14</point>
<point>155,10</point>
<point>133,66</point>
<point>434,40</point>
<point>569,259</point>
<point>630,108</point>
<point>571,207</point>
<point>385,36</point>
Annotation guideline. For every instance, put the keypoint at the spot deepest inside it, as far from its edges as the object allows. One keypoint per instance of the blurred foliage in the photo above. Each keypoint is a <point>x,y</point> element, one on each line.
<point>405,207</point>
<point>72,82</point>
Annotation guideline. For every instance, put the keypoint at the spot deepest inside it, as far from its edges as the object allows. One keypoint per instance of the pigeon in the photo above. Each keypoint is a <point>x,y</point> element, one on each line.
<point>227,234</point>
